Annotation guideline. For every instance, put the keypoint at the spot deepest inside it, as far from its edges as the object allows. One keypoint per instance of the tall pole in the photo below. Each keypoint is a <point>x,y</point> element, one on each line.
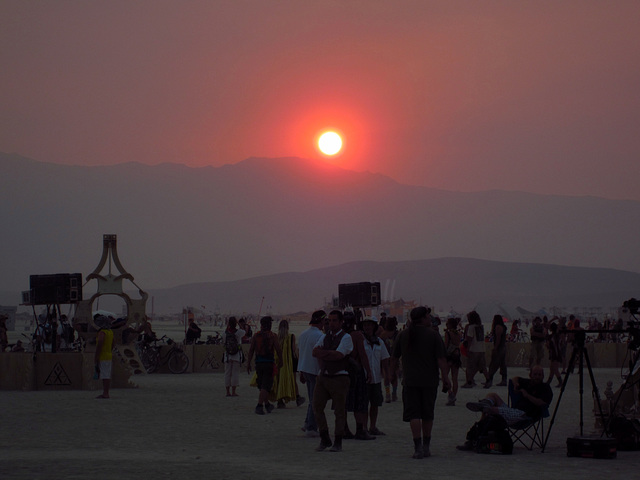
<point>260,311</point>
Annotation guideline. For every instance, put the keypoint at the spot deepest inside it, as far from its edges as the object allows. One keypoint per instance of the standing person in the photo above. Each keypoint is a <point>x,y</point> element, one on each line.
<point>66,333</point>
<point>452,337</point>
<point>243,325</point>
<point>377,354</point>
<point>474,336</point>
<point>555,354</point>
<point>515,329</point>
<point>309,367</point>
<point>285,380</point>
<point>265,346</point>
<point>359,376</point>
<point>498,352</point>
<point>332,350</point>
<point>103,356</point>
<point>232,356</point>
<point>422,352</point>
<point>538,337</point>
<point>390,335</point>
<point>563,339</point>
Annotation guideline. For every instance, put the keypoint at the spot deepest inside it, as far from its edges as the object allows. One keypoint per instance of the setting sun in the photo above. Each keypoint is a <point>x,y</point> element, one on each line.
<point>330,143</point>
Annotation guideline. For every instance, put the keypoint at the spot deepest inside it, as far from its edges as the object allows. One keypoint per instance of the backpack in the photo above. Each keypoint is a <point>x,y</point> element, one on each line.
<point>231,343</point>
<point>626,431</point>
<point>490,435</point>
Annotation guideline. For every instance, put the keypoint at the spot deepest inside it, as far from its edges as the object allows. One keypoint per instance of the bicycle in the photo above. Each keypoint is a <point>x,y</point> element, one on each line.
<point>520,337</point>
<point>215,339</point>
<point>174,357</point>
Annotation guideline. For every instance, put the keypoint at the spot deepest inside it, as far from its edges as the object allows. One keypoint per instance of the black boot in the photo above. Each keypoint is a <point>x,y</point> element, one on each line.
<point>325,441</point>
<point>337,444</point>
<point>418,451</point>
<point>426,446</point>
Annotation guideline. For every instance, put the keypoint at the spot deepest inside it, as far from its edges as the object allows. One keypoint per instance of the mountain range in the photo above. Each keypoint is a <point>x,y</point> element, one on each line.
<point>444,284</point>
<point>180,227</point>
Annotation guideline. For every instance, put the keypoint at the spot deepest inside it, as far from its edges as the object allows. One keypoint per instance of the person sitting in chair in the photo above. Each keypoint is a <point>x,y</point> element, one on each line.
<point>530,398</point>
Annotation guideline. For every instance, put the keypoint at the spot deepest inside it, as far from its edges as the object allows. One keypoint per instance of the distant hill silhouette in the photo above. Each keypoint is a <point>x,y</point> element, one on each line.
<point>443,283</point>
<point>178,225</point>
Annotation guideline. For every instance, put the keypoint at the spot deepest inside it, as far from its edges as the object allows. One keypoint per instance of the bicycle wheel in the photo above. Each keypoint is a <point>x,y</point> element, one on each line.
<point>150,359</point>
<point>178,362</point>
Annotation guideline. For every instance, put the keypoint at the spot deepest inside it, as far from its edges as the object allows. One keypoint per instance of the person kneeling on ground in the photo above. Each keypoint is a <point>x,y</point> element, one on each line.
<point>533,397</point>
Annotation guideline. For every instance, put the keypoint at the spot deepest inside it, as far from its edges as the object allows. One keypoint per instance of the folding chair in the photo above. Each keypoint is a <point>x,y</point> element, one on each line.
<point>529,432</point>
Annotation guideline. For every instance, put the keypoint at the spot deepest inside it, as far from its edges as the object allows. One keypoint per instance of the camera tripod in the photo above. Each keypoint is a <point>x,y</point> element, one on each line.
<point>579,355</point>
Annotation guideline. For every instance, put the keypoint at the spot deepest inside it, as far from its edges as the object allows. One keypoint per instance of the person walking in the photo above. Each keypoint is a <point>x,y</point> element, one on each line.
<point>476,360</point>
<point>498,352</point>
<point>452,338</point>
<point>265,346</point>
<point>232,356</point>
<point>422,353</point>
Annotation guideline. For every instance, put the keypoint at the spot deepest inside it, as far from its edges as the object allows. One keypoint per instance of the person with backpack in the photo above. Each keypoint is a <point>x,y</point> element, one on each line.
<point>232,356</point>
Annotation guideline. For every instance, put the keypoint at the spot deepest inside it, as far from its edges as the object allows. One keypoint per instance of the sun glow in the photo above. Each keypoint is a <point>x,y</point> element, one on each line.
<point>330,143</point>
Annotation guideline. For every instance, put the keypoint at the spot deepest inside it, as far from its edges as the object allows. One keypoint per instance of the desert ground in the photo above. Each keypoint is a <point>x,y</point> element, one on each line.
<point>183,426</point>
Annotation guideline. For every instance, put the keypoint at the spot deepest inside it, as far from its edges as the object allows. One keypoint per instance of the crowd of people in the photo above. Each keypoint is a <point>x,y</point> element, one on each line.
<point>355,363</point>
<point>345,359</point>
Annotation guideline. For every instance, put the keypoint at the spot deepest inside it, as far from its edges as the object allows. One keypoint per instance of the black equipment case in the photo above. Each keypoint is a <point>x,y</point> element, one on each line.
<point>592,447</point>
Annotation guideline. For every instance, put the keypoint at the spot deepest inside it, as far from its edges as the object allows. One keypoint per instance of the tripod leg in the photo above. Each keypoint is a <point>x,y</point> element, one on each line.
<point>596,395</point>
<point>572,361</point>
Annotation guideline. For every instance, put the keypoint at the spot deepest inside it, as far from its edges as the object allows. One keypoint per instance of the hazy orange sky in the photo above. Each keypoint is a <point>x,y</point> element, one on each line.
<point>540,96</point>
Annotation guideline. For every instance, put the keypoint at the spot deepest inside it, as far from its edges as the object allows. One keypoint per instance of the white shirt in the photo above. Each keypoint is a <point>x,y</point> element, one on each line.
<point>375,354</point>
<point>307,363</point>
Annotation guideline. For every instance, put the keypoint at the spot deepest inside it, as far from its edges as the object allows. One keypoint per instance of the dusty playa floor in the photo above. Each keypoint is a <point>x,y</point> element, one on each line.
<point>182,426</point>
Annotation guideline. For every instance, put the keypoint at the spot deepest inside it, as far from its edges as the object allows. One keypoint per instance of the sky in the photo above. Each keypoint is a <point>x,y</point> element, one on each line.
<point>539,96</point>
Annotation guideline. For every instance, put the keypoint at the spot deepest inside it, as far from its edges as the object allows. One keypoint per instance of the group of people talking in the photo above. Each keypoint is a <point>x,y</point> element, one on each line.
<point>342,360</point>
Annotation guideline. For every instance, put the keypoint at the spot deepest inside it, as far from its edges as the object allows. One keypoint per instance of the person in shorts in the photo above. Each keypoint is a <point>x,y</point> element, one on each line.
<point>265,345</point>
<point>377,354</point>
<point>423,358</point>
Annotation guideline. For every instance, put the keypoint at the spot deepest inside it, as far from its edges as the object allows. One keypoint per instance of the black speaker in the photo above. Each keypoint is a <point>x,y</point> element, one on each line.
<point>362,294</point>
<point>55,289</point>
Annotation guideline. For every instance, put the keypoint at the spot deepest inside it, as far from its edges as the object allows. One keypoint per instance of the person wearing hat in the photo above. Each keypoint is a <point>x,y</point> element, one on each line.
<point>103,357</point>
<point>377,354</point>
<point>309,367</point>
